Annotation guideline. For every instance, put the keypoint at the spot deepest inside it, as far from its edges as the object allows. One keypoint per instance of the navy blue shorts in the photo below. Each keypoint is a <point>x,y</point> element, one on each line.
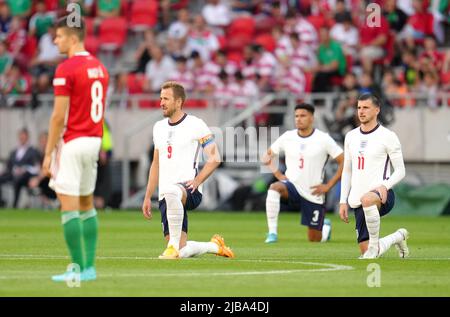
<point>192,201</point>
<point>312,214</point>
<point>361,229</point>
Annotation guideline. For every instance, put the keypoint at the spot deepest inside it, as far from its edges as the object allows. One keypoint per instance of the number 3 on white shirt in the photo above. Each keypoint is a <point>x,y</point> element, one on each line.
<point>96,105</point>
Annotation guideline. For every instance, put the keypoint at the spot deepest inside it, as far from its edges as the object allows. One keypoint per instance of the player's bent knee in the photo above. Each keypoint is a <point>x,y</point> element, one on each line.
<point>173,192</point>
<point>278,187</point>
<point>368,200</point>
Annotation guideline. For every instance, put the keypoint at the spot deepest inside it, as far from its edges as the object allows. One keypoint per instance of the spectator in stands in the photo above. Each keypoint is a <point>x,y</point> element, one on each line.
<point>23,163</point>
<point>39,183</point>
<point>217,15</point>
<point>5,20</point>
<point>13,83</point>
<point>119,89</point>
<point>20,8</point>
<point>332,62</point>
<point>428,88</point>
<point>436,57</point>
<point>346,34</point>
<point>299,24</point>
<point>168,7</point>
<point>418,26</point>
<point>395,16</point>
<point>225,90</point>
<point>183,75</point>
<point>201,39</point>
<point>41,20</point>
<point>395,90</point>
<point>205,81</point>
<point>245,6</point>
<point>410,66</point>
<point>273,14</point>
<point>177,33</point>
<point>367,86</point>
<point>247,66</point>
<point>16,40</point>
<point>265,64</point>
<point>345,115</point>
<point>142,55</point>
<point>302,55</point>
<point>43,66</point>
<point>108,8</point>
<point>289,78</point>
<point>224,63</point>
<point>6,59</point>
<point>373,40</point>
<point>158,69</point>
<point>247,89</point>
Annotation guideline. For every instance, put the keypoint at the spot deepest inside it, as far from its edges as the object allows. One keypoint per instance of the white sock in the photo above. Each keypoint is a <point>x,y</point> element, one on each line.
<point>194,248</point>
<point>373,225</point>
<point>272,209</point>
<point>386,242</point>
<point>325,232</point>
<point>175,213</point>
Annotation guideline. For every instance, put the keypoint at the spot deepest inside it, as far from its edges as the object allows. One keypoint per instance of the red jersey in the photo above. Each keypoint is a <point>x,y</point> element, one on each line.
<point>84,79</point>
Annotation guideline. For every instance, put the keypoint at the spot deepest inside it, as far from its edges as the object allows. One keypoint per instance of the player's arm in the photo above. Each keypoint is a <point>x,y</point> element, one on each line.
<point>394,152</point>
<point>268,160</point>
<point>345,182</point>
<point>153,176</point>
<point>213,160</point>
<point>325,188</point>
<point>56,127</point>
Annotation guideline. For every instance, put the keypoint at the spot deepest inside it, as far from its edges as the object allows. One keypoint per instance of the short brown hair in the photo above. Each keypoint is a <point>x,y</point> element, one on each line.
<point>79,31</point>
<point>177,89</point>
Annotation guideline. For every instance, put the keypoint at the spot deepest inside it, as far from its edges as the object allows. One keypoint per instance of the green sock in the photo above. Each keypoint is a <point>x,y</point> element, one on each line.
<point>73,233</point>
<point>90,229</point>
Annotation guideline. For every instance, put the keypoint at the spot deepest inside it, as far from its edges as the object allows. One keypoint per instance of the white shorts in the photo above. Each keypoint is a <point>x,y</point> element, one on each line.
<point>74,166</point>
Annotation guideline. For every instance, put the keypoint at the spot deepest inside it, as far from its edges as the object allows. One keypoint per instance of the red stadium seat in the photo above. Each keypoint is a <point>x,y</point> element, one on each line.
<point>196,103</point>
<point>92,44</point>
<point>89,24</point>
<point>112,33</point>
<point>144,14</point>
<point>135,87</point>
<point>267,41</point>
<point>241,26</point>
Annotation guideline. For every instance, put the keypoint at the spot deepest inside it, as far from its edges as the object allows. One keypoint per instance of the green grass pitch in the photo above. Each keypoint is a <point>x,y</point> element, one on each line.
<point>32,248</point>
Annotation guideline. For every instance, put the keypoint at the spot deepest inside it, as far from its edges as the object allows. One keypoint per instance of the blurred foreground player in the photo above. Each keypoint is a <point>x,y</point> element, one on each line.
<point>80,85</point>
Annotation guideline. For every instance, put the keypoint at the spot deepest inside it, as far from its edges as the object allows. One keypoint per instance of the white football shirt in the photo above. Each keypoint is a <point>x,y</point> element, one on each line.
<point>305,159</point>
<point>179,145</point>
<point>367,163</point>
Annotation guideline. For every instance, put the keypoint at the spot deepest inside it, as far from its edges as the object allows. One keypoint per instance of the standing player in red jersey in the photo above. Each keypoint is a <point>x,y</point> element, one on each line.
<point>75,134</point>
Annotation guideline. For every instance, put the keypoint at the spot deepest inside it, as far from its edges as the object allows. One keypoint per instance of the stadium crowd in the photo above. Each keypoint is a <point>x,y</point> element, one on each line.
<point>239,48</point>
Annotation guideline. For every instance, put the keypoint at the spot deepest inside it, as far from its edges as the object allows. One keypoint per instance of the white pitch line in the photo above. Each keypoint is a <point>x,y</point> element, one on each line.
<point>326,267</point>
<point>51,257</point>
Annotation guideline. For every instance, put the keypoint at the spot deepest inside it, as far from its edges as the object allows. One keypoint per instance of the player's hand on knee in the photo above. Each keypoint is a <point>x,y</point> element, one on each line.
<point>192,185</point>
<point>382,190</point>
<point>147,209</point>
<point>343,212</point>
